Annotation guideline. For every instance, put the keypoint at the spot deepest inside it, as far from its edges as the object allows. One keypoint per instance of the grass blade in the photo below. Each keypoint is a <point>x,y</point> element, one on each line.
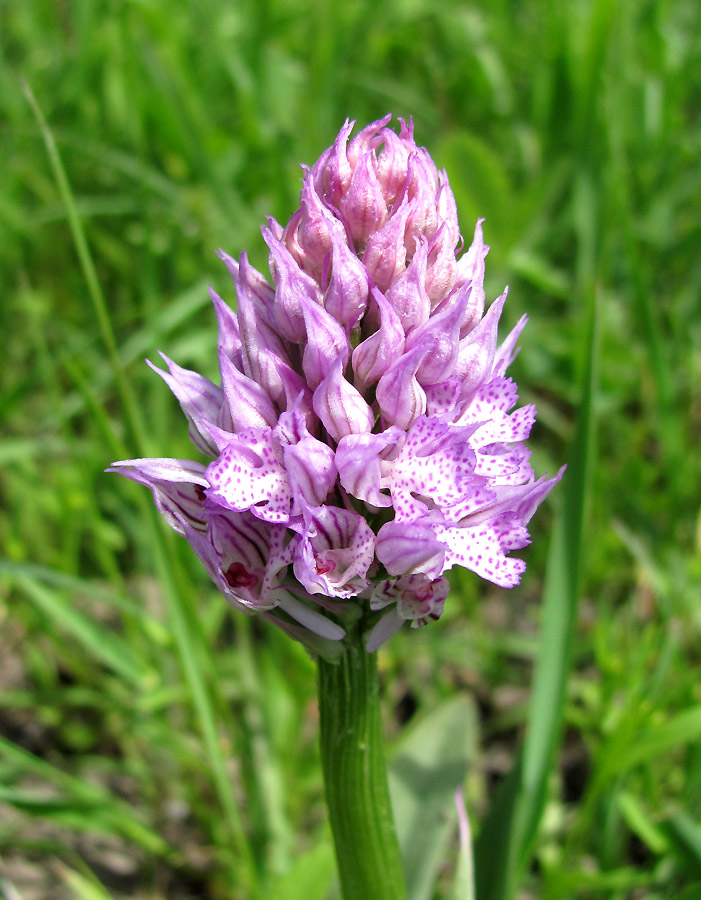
<point>84,888</point>
<point>683,728</point>
<point>100,642</point>
<point>684,835</point>
<point>187,642</point>
<point>115,815</point>
<point>512,824</point>
<point>560,603</point>
<point>126,396</point>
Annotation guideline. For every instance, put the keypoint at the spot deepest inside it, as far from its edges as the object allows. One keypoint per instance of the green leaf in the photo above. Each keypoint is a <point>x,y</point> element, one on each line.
<point>309,878</point>
<point>684,836</point>
<point>429,765</point>
<point>84,888</point>
<point>186,630</point>
<point>640,822</point>
<point>540,273</point>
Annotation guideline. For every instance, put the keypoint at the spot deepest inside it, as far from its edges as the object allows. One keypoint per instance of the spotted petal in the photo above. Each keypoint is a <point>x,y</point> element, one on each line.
<point>249,475</point>
<point>483,549</point>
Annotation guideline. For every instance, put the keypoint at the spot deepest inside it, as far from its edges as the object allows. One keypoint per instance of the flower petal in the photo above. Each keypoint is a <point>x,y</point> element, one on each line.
<point>178,488</point>
<point>199,399</point>
<point>361,466</point>
<point>435,467</point>
<point>249,475</point>
<point>236,552</point>
<point>483,550</point>
<point>406,548</point>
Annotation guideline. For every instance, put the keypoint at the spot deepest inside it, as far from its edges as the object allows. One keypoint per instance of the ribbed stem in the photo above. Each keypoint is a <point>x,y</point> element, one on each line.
<point>355,776</point>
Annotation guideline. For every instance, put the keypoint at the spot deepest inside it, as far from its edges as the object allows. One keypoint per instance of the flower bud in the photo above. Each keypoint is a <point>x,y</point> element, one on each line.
<point>366,139</point>
<point>199,399</point>
<point>376,354</point>
<point>292,287</point>
<point>477,349</point>
<point>407,293</point>
<point>249,279</point>
<point>332,173</point>
<point>315,222</point>
<point>422,189</point>
<point>438,338</point>
<point>326,342</point>
<point>385,255</point>
<point>447,208</point>
<point>392,164</point>
<point>340,406</point>
<point>346,297</point>
<point>249,404</point>
<point>363,206</point>
<point>441,270</point>
<point>470,280</point>
<point>229,341</point>
<point>399,395</point>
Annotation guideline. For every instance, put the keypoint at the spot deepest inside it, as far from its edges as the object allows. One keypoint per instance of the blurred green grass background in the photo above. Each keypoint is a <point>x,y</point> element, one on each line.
<point>136,762</point>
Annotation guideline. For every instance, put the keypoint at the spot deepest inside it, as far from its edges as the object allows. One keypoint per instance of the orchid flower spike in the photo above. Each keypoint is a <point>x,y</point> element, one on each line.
<point>365,438</point>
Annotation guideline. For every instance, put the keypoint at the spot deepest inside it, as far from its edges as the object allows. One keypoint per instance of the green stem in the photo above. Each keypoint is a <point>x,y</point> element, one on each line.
<point>355,776</point>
